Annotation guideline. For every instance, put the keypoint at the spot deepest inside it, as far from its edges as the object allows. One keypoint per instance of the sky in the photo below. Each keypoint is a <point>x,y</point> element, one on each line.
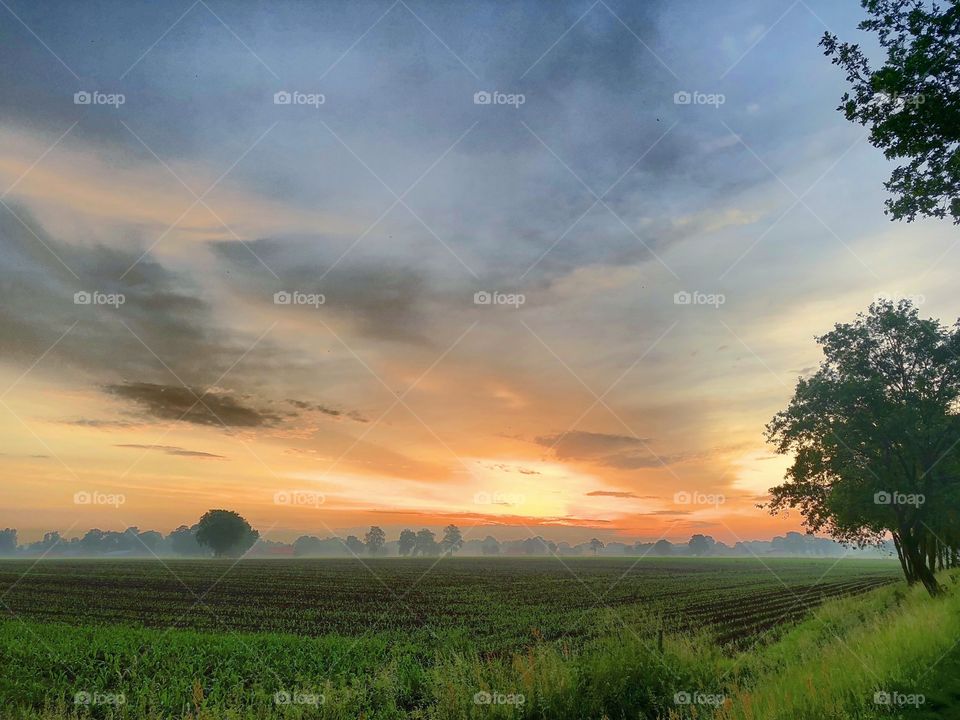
<point>530,268</point>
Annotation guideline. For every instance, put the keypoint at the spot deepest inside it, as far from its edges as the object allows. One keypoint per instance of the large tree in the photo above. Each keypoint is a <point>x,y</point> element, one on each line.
<point>425,543</point>
<point>911,102</point>
<point>375,539</point>
<point>225,532</point>
<point>408,539</point>
<point>875,435</point>
<point>452,540</point>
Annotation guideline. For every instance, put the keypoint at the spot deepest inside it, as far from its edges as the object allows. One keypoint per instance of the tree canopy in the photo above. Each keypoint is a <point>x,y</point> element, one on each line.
<point>225,532</point>
<point>875,435</point>
<point>911,102</point>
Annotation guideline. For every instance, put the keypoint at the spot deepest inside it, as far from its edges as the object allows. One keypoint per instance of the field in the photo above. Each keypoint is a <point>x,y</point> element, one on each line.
<point>388,638</point>
<point>501,604</point>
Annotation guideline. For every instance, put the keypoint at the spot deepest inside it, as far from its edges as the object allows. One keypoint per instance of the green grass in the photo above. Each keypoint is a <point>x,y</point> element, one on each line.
<point>826,666</point>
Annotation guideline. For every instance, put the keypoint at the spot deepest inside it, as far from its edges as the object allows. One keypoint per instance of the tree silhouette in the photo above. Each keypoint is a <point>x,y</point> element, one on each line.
<point>375,540</point>
<point>698,545</point>
<point>662,547</point>
<point>875,434</point>
<point>452,540</point>
<point>8,541</point>
<point>354,545</point>
<point>490,546</point>
<point>225,532</point>
<point>595,545</point>
<point>911,103</point>
<point>426,543</point>
<point>408,539</point>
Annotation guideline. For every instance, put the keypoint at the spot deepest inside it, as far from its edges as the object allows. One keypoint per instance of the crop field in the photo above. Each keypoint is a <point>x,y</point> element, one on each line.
<point>501,603</point>
<point>382,638</point>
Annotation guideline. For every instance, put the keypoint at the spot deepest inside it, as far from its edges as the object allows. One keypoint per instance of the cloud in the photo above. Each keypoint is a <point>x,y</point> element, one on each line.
<point>619,494</point>
<point>173,450</point>
<point>326,410</point>
<point>98,423</point>
<point>193,405</point>
<point>618,451</point>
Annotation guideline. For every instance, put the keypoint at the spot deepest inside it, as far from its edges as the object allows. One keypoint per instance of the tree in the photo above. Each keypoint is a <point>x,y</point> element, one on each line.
<point>354,545</point>
<point>183,541</point>
<point>375,540</point>
<point>225,532</point>
<point>911,103</point>
<point>490,546</point>
<point>874,435</point>
<point>8,541</point>
<point>662,547</point>
<point>425,543</point>
<point>408,538</point>
<point>698,545</point>
<point>595,545</point>
<point>452,540</point>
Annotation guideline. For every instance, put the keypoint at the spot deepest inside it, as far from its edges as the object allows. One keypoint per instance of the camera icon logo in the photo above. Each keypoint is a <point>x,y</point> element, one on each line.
<point>82,498</point>
<point>282,98</point>
<point>682,698</point>
<point>882,497</point>
<point>482,97</point>
<point>682,97</point>
<point>682,498</point>
<point>82,98</point>
<point>482,298</point>
<point>682,298</point>
<point>82,297</point>
<point>282,298</point>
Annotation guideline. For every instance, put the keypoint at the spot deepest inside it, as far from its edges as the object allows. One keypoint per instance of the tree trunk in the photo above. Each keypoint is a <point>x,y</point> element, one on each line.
<point>918,569</point>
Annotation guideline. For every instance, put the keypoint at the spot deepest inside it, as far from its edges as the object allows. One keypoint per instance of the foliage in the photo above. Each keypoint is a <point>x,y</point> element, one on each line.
<point>874,435</point>
<point>375,539</point>
<point>225,532</point>
<point>911,103</point>
<point>452,540</point>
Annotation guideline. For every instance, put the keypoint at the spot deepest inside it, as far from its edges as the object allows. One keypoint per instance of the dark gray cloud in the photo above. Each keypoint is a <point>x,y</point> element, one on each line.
<point>326,410</point>
<point>173,450</point>
<point>382,299</point>
<point>192,405</point>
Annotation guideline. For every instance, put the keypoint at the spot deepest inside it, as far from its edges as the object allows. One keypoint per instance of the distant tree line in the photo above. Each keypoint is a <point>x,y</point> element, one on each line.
<point>221,533</point>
